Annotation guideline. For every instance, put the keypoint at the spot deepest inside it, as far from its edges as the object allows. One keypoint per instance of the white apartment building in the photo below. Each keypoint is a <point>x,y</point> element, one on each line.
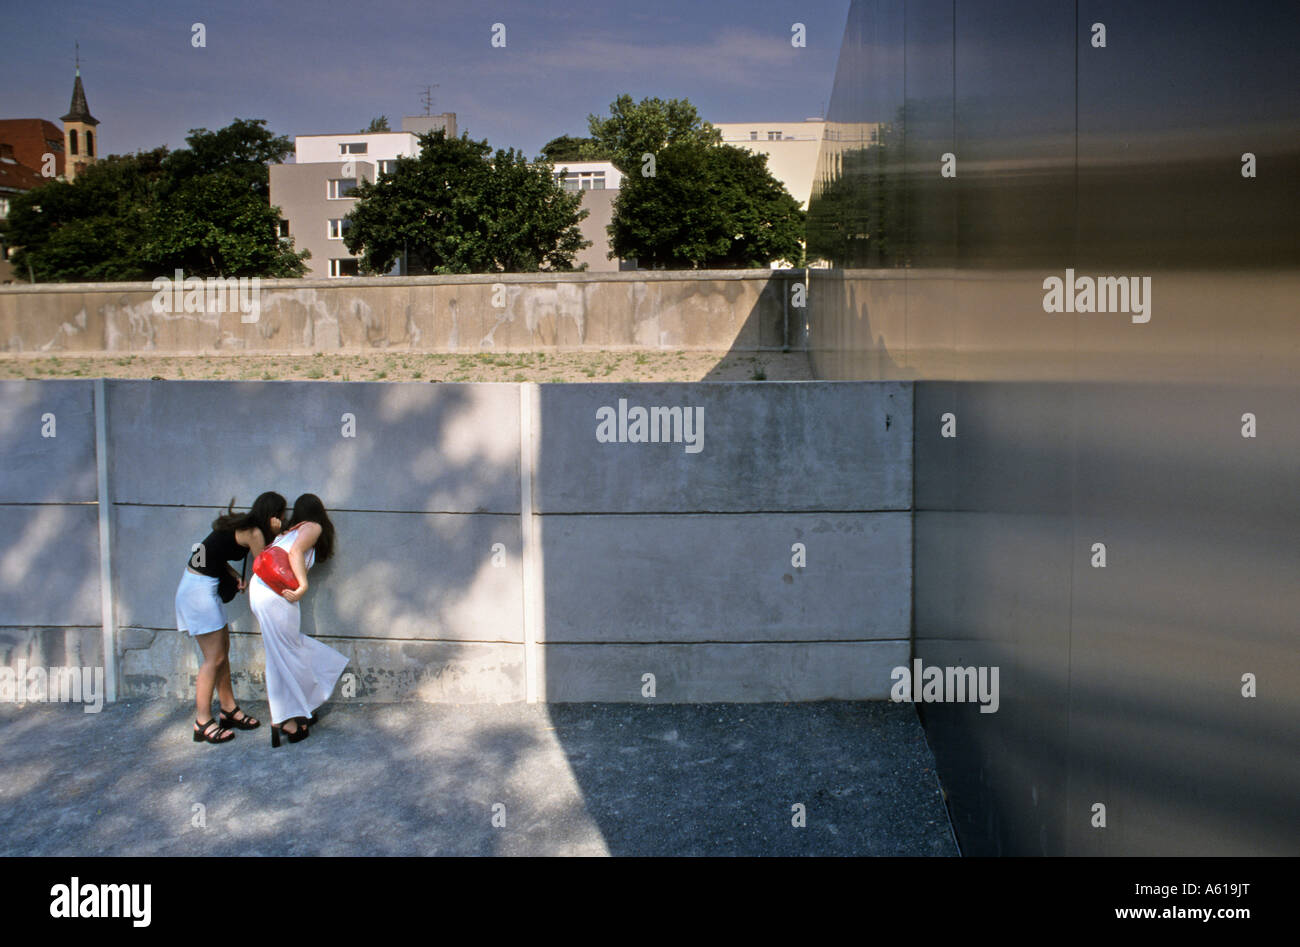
<point>791,149</point>
<point>588,175</point>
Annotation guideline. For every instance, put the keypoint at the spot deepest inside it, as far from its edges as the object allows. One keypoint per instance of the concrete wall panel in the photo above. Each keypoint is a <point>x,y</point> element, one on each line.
<point>727,578</point>
<point>47,469</point>
<point>416,447</point>
<point>715,673</point>
<point>790,447</point>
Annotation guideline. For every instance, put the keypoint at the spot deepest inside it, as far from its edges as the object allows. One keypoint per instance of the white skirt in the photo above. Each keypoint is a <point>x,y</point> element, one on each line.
<point>300,671</point>
<point>198,607</point>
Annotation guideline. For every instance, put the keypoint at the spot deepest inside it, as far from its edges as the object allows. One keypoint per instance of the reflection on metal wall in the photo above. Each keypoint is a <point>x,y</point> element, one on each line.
<point>1083,242</point>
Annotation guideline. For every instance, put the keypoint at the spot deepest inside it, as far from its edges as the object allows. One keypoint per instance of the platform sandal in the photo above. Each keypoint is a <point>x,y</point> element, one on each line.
<point>293,736</point>
<point>230,721</point>
<point>211,732</point>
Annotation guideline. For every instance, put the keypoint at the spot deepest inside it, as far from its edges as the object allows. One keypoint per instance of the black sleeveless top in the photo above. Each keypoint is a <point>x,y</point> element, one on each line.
<point>219,548</point>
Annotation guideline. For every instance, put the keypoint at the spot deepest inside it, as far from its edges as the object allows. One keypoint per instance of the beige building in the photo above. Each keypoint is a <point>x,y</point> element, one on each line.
<point>314,199</point>
<point>314,194</point>
<point>599,183</point>
<point>791,149</point>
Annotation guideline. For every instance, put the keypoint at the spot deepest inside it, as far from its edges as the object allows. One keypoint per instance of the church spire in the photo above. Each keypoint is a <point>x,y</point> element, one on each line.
<point>80,111</point>
<point>78,130</point>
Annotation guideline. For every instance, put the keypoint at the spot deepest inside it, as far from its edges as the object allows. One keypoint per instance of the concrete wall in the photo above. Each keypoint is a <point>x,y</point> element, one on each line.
<point>49,567</point>
<point>712,310</point>
<point>490,547</point>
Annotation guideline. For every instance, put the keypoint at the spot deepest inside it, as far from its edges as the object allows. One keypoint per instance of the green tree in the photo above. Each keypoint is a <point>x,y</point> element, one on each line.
<point>204,209</point>
<point>90,231</point>
<point>379,124</point>
<point>634,129</point>
<point>570,148</point>
<point>244,148</point>
<point>707,206</point>
<point>459,208</point>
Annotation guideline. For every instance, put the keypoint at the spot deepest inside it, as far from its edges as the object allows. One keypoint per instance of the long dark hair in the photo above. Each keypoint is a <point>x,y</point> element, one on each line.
<point>309,509</point>
<point>269,504</point>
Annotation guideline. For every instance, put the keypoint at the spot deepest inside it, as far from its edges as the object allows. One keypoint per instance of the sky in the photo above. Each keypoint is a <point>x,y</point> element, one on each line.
<point>326,67</point>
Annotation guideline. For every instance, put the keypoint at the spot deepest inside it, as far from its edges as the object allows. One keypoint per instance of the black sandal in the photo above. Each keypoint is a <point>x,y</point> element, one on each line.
<point>229,721</point>
<point>211,732</point>
<point>294,736</point>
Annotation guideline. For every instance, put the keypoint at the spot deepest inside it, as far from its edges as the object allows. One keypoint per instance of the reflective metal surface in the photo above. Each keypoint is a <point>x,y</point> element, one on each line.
<point>1121,685</point>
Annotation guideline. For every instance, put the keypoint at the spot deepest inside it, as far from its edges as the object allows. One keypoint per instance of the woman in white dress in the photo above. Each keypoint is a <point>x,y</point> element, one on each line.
<point>300,671</point>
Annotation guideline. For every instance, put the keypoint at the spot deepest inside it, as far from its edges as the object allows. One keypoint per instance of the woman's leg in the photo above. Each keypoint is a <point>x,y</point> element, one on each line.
<point>215,646</point>
<point>225,691</point>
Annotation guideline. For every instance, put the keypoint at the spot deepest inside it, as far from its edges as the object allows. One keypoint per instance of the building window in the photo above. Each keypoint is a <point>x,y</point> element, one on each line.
<point>282,229</point>
<point>353,148</point>
<point>343,267</point>
<point>773,136</point>
<point>4,208</point>
<point>387,165</point>
<point>53,145</point>
<point>753,136</point>
<point>72,141</point>
<point>338,228</point>
<point>339,188</point>
<point>90,143</point>
<point>582,180</point>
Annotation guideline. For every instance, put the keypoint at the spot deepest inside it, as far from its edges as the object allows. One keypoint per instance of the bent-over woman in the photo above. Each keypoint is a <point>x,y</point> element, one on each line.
<point>201,613</point>
<point>300,671</point>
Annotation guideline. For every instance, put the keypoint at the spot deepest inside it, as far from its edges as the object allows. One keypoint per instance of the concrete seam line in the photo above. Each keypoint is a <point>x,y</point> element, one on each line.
<point>105,544</point>
<point>527,534</point>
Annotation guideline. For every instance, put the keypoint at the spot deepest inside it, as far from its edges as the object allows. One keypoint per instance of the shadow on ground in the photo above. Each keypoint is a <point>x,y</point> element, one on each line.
<point>425,779</point>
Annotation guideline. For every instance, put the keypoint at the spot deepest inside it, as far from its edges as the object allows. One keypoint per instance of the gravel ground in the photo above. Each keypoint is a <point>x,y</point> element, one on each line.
<point>622,366</point>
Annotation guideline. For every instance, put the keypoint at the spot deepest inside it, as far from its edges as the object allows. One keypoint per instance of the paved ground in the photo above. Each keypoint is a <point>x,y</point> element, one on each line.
<point>424,779</point>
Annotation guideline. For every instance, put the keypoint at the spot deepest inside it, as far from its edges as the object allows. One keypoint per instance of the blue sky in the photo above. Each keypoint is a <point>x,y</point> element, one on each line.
<point>317,67</point>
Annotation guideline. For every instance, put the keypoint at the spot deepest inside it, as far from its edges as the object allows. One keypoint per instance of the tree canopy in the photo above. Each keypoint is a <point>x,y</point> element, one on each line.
<point>459,208</point>
<point>706,206</point>
<point>633,129</point>
<point>570,148</point>
<point>204,209</point>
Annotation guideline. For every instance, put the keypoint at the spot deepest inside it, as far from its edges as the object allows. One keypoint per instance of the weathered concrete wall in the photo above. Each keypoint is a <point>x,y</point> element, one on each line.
<point>645,558</point>
<point>49,566</point>
<point>712,310</point>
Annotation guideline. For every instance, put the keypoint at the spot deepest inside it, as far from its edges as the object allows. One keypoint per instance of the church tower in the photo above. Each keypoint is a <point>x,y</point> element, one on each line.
<point>80,147</point>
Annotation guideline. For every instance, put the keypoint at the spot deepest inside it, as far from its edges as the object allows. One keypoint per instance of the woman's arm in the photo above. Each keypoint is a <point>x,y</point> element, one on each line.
<point>256,542</point>
<point>308,533</point>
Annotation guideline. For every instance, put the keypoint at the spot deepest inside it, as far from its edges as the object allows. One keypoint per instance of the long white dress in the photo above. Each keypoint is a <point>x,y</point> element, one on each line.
<point>300,671</point>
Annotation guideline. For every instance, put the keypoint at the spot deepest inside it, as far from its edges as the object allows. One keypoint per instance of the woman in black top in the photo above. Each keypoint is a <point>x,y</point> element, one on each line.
<point>199,609</point>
